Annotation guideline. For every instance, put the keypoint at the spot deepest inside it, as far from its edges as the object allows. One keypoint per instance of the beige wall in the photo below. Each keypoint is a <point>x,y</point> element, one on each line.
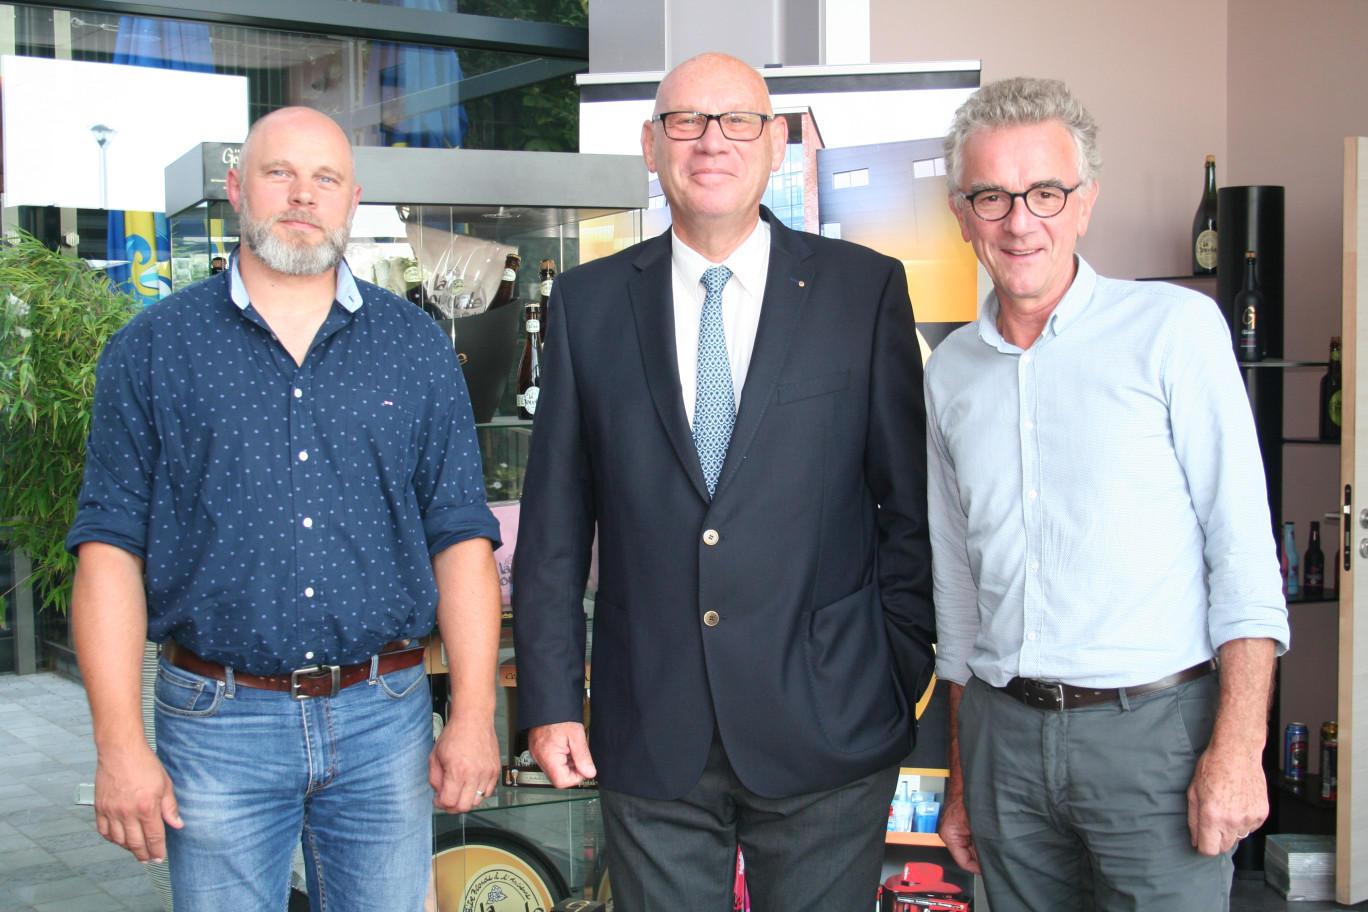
<point>1153,73</point>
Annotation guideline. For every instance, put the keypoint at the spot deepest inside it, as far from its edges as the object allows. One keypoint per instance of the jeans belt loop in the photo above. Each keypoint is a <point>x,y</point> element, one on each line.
<point>315,671</point>
<point>229,684</point>
<point>375,670</point>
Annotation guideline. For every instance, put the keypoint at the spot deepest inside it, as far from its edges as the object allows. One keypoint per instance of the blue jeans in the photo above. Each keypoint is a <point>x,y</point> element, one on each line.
<point>254,770</point>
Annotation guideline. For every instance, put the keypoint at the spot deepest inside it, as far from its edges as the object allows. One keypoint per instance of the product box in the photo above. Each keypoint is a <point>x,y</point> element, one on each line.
<point>1301,867</point>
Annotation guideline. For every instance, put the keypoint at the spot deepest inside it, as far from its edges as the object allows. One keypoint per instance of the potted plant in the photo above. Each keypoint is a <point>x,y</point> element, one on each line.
<point>55,315</point>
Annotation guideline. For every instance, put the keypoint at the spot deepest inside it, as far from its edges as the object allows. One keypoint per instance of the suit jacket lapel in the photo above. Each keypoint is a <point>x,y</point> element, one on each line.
<point>781,313</point>
<point>652,294</point>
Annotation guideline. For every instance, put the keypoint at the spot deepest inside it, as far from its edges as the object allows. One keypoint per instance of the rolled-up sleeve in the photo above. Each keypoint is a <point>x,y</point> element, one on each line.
<point>121,451</point>
<point>449,480</point>
<point>1216,444</point>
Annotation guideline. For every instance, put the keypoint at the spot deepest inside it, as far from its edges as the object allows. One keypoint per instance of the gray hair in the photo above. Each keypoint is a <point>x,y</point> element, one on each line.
<point>1023,101</point>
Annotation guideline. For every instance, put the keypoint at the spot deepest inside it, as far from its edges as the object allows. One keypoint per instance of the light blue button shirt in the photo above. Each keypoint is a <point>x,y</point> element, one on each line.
<point>1098,507</point>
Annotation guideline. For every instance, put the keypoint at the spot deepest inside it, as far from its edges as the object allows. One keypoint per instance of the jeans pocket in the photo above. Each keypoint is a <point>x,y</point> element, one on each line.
<point>186,694</point>
<point>399,684</point>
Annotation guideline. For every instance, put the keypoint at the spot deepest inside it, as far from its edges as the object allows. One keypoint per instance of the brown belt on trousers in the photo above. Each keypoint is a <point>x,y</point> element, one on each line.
<point>313,681</point>
<point>1055,697</point>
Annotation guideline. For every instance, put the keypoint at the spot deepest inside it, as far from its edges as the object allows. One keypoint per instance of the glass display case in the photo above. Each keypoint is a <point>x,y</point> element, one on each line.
<point>525,848</point>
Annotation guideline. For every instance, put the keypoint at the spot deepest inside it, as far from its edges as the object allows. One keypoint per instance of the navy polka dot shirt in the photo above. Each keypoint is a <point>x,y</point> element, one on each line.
<point>286,514</point>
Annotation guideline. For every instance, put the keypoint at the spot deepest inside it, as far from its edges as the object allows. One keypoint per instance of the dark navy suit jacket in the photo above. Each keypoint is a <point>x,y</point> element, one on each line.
<point>813,552</point>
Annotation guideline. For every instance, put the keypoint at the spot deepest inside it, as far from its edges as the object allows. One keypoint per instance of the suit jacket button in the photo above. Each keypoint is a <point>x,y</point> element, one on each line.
<point>711,618</point>
<point>711,537</point>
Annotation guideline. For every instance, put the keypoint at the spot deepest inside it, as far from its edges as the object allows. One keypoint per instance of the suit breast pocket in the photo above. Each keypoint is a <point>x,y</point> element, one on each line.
<point>811,387</point>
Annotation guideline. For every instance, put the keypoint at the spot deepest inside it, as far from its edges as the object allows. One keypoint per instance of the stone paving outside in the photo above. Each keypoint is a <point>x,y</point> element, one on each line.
<point>51,857</point>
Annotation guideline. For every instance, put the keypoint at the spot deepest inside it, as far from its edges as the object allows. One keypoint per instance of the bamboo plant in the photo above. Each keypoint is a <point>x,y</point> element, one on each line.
<point>56,314</point>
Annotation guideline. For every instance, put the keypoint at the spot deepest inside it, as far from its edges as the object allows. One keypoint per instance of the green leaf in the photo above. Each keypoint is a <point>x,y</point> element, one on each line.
<point>56,314</point>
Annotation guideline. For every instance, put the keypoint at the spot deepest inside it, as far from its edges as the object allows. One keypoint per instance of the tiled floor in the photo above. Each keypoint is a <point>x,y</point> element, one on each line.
<point>51,857</point>
<point>52,860</point>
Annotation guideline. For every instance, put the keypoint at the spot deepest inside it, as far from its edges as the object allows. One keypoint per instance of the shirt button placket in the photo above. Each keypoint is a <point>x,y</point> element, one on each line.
<point>1033,510</point>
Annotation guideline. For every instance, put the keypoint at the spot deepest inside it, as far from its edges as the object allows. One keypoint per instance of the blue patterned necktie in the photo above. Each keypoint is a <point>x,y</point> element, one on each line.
<point>714,403</point>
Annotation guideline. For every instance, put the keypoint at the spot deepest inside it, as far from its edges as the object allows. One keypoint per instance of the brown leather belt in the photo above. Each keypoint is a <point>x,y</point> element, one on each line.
<point>1056,697</point>
<point>302,683</point>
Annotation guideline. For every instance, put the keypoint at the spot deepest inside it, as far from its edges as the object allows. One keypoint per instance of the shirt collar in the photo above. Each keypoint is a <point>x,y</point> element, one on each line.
<point>347,294</point>
<point>1066,311</point>
<point>749,263</point>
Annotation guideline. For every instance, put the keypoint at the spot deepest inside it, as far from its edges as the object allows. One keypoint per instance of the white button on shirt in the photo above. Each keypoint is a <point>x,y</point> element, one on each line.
<point>741,298</point>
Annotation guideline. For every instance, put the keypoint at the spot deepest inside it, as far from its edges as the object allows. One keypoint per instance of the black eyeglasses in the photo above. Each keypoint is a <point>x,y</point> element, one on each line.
<point>995,204</point>
<point>739,126</point>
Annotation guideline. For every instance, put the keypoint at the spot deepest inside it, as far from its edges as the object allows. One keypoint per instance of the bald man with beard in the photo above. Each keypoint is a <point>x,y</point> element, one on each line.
<point>284,490</point>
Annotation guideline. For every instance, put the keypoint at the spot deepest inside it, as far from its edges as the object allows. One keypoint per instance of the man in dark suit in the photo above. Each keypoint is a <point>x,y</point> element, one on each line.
<point>738,407</point>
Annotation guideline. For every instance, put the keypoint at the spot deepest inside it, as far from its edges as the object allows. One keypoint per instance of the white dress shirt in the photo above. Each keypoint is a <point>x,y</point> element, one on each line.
<point>1098,509</point>
<point>741,299</point>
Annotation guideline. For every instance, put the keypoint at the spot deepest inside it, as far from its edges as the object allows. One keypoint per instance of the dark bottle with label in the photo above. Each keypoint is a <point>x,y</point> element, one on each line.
<point>529,368</point>
<point>548,277</point>
<point>1204,225</point>
<point>1313,566</point>
<point>508,284</point>
<point>1249,314</point>
<point>1332,394</point>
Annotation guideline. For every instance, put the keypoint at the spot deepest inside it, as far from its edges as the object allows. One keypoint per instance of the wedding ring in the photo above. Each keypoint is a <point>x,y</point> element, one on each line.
<point>479,793</point>
<point>1237,835</point>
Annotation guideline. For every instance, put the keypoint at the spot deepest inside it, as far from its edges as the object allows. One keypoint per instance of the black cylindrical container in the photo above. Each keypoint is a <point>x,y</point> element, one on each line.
<point>1251,218</point>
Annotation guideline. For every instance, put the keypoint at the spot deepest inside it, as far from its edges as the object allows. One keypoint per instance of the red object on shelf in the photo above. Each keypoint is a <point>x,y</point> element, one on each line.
<point>920,888</point>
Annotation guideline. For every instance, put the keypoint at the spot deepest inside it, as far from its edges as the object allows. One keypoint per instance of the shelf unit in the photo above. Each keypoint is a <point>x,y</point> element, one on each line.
<point>1291,809</point>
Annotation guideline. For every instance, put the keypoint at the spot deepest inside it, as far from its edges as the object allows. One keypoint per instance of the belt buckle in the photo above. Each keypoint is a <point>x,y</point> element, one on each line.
<point>315,671</point>
<point>1045,694</point>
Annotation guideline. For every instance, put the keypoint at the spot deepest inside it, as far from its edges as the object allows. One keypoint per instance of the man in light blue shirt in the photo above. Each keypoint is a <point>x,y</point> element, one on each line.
<point>1100,535</point>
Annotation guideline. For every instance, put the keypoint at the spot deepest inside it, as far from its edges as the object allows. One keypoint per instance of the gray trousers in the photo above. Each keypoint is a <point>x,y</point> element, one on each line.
<point>1087,808</point>
<point>819,852</point>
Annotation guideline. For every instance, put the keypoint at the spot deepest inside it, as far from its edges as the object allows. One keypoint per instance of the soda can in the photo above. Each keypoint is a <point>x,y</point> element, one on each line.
<point>1294,752</point>
<point>1329,761</point>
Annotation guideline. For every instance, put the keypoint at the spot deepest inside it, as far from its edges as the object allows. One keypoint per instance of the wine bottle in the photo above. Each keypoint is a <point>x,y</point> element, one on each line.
<point>548,276</point>
<point>529,368</point>
<point>1332,394</point>
<point>1313,567</point>
<point>1290,551</point>
<point>1204,225</point>
<point>507,285</point>
<point>1250,313</point>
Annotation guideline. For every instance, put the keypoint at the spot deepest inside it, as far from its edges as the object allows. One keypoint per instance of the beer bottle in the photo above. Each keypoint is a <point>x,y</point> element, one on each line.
<point>548,275</point>
<point>1332,394</point>
<point>1250,314</point>
<point>1313,566</point>
<point>529,368</point>
<point>1204,225</point>
<point>508,284</point>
